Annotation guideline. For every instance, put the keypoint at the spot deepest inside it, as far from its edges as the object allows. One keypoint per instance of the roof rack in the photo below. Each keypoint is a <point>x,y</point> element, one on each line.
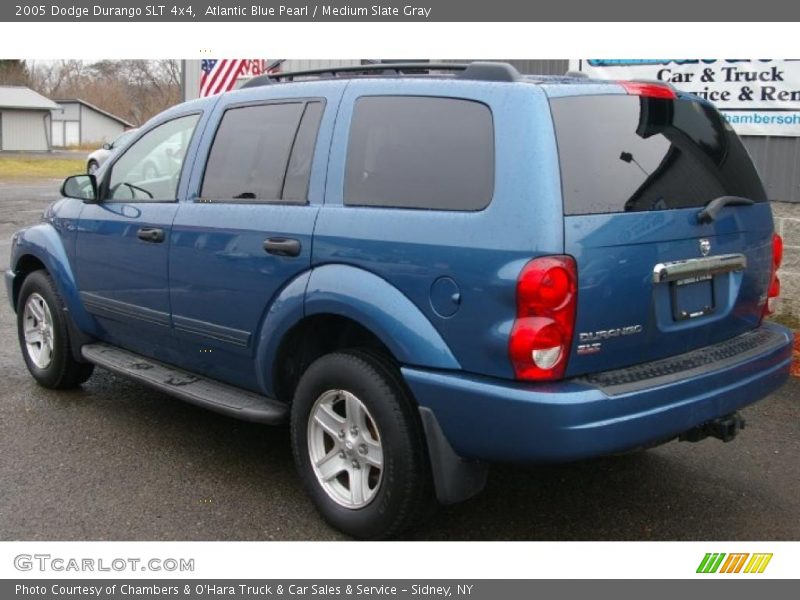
<point>475,71</point>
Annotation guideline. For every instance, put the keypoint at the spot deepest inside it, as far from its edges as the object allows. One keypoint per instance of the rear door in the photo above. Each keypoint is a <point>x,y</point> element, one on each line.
<point>654,280</point>
<point>246,233</point>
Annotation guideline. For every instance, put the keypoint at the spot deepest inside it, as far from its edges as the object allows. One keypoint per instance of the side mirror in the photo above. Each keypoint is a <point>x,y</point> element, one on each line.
<point>107,146</point>
<point>83,187</point>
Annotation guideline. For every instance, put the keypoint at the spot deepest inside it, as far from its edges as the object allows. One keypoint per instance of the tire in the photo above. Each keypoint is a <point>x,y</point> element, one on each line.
<point>92,167</point>
<point>392,497</point>
<point>40,312</point>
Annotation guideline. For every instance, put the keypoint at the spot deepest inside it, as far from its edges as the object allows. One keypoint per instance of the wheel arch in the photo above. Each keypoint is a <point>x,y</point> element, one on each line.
<point>336,306</point>
<point>27,264</point>
<point>40,247</point>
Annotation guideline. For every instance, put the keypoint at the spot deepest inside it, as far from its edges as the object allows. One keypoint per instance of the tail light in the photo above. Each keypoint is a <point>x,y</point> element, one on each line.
<point>542,334</point>
<point>774,282</point>
<point>649,89</point>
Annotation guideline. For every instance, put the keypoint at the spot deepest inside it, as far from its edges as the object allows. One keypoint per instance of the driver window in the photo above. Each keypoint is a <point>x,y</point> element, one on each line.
<point>149,170</point>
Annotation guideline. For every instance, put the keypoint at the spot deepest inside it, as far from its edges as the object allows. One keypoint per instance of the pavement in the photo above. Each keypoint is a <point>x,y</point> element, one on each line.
<point>117,461</point>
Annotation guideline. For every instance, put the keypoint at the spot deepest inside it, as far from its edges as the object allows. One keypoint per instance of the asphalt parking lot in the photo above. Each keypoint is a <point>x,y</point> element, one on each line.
<point>117,461</point>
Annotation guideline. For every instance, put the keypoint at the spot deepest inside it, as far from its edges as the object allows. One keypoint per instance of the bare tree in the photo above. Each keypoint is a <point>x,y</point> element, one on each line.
<point>134,90</point>
<point>13,72</point>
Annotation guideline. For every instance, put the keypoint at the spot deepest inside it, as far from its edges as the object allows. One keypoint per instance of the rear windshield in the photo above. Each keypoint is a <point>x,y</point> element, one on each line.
<point>623,153</point>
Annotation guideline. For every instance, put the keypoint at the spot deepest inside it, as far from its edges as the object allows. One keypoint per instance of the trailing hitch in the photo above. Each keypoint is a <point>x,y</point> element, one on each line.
<point>724,428</point>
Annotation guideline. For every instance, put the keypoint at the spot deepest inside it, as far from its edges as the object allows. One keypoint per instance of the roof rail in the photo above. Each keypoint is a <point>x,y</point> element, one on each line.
<point>476,71</point>
<point>576,74</point>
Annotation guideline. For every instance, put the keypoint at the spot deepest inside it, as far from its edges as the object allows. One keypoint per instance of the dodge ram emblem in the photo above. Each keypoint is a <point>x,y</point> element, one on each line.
<point>705,246</point>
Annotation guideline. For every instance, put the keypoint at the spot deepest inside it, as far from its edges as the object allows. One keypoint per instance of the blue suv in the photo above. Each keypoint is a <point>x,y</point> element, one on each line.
<point>422,269</point>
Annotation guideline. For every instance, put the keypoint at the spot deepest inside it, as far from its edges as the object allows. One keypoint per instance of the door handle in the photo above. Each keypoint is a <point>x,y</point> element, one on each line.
<point>280,246</point>
<point>150,234</point>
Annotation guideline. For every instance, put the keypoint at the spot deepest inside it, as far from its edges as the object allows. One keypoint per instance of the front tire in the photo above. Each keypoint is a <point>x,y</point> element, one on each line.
<point>359,447</point>
<point>44,335</point>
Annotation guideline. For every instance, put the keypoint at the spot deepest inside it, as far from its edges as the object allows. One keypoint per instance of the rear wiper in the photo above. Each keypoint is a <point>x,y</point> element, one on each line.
<point>711,210</point>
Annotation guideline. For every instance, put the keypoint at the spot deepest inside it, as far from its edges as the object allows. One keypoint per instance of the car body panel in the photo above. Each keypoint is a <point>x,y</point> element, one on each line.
<point>437,288</point>
<point>616,255</point>
<point>364,297</point>
<point>499,420</point>
<point>46,243</point>
<point>481,252</point>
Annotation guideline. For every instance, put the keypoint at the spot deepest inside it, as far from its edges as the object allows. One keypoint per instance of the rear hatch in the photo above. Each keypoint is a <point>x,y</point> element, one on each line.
<point>654,279</point>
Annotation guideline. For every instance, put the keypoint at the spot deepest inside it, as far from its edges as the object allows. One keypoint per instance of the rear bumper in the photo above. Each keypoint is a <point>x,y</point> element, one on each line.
<point>496,420</point>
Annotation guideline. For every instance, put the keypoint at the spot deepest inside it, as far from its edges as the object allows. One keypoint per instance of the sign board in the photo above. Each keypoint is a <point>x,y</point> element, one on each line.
<point>756,96</point>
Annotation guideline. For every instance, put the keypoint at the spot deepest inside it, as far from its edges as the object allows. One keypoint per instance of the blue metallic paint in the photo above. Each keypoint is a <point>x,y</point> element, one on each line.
<point>44,242</point>
<point>483,252</point>
<point>111,262</point>
<point>507,421</point>
<point>616,254</point>
<point>359,295</point>
<point>216,254</point>
<point>285,311</point>
<point>377,269</point>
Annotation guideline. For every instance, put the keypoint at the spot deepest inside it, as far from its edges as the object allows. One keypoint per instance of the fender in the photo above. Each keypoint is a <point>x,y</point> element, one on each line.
<point>284,312</point>
<point>43,242</point>
<point>381,308</point>
<point>358,295</point>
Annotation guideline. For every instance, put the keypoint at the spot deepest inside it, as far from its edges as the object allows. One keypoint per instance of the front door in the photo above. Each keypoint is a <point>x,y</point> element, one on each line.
<point>123,240</point>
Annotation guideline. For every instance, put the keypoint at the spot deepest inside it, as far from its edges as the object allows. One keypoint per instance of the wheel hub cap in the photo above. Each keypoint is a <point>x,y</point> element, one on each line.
<point>345,449</point>
<point>37,324</point>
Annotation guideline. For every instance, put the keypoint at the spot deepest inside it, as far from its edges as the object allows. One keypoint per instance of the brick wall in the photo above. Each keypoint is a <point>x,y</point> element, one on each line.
<point>787,224</point>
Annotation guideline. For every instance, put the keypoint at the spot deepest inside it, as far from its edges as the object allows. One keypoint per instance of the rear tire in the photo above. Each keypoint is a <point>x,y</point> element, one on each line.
<point>44,335</point>
<point>359,446</point>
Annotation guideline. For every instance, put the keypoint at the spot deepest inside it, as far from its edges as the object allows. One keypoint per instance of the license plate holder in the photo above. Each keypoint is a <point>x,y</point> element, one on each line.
<point>692,297</point>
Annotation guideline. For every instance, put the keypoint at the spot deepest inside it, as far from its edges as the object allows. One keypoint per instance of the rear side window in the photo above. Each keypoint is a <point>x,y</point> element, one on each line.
<point>263,154</point>
<point>623,153</point>
<point>420,152</point>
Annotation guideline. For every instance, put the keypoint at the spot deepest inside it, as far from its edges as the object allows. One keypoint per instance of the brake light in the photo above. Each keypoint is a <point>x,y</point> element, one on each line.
<point>649,90</point>
<point>543,329</point>
<point>777,250</point>
<point>774,282</point>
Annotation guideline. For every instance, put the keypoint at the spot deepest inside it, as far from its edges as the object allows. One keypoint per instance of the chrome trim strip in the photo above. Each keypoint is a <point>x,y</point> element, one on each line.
<point>696,267</point>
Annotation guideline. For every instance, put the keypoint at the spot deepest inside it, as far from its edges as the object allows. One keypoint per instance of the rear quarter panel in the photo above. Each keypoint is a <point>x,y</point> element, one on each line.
<point>482,251</point>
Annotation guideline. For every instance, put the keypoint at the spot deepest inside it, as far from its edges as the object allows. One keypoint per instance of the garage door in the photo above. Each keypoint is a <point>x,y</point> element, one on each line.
<point>72,133</point>
<point>58,134</point>
<point>24,130</point>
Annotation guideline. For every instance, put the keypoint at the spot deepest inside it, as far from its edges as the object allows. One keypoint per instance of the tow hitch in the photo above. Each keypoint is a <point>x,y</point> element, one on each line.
<point>724,428</point>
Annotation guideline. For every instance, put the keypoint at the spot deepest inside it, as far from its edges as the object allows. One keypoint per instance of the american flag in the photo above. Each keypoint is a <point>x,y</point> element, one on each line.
<point>219,75</point>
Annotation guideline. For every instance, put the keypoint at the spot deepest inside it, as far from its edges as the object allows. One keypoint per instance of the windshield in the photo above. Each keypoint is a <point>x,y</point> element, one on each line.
<point>123,138</point>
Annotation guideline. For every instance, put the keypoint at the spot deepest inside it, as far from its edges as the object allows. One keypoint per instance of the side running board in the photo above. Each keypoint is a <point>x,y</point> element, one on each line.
<point>210,394</point>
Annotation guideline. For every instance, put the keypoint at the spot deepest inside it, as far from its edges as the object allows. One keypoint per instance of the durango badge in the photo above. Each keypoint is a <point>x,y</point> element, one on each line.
<point>591,341</point>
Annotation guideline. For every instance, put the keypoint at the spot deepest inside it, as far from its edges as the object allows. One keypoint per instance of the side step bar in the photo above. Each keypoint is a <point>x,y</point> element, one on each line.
<point>210,394</point>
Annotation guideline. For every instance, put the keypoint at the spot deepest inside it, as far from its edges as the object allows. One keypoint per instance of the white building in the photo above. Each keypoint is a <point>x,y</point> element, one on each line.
<point>76,122</point>
<point>25,118</point>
